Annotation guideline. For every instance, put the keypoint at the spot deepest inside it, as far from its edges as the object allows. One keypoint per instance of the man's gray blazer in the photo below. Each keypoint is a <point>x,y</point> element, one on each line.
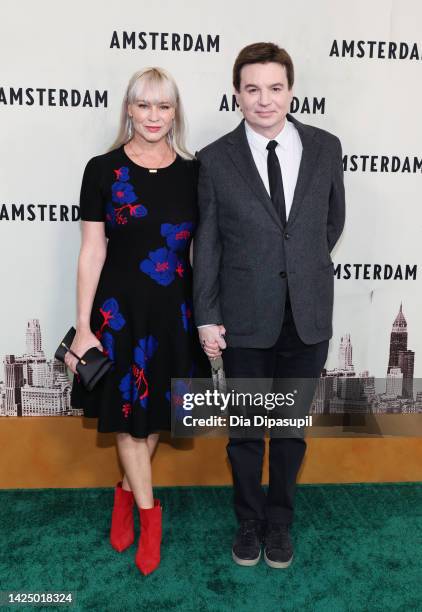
<point>244,259</point>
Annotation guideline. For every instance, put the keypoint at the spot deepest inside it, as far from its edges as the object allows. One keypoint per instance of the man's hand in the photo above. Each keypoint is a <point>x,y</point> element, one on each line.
<point>212,340</point>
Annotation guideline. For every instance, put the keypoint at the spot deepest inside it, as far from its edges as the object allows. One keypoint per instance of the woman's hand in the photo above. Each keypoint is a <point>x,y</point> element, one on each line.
<point>83,340</point>
<point>212,340</point>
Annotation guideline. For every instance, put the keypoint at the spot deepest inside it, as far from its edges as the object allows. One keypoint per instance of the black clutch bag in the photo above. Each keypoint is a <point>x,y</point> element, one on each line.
<point>91,366</point>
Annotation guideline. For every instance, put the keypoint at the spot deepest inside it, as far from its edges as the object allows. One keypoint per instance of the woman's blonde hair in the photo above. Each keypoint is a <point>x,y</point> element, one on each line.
<point>164,87</point>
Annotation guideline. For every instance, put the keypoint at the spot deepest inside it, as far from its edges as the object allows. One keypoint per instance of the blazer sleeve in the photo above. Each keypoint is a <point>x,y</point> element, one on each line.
<point>207,249</point>
<point>337,205</point>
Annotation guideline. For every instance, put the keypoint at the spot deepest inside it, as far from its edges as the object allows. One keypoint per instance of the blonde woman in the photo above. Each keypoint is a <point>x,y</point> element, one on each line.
<point>138,210</point>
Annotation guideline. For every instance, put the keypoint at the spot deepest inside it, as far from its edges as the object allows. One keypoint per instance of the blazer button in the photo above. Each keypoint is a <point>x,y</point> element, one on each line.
<point>283,274</point>
<point>287,236</point>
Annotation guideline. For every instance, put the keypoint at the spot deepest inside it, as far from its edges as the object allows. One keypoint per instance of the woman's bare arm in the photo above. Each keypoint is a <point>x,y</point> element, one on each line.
<point>90,263</point>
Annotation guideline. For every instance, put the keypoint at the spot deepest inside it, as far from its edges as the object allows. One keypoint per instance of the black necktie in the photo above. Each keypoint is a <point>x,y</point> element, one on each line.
<point>276,181</point>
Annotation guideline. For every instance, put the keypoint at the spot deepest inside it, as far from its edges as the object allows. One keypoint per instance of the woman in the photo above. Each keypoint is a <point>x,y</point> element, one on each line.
<point>138,207</point>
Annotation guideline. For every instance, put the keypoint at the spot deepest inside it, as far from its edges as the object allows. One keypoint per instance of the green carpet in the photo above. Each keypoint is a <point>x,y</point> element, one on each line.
<point>357,548</point>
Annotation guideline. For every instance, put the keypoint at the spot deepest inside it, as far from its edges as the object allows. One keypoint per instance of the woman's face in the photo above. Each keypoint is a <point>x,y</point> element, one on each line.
<point>152,115</point>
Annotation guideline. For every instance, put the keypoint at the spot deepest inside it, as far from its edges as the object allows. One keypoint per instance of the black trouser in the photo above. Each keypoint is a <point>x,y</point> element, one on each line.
<point>288,358</point>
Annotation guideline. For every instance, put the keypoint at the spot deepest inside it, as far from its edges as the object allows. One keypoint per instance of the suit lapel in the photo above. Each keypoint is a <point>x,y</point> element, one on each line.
<point>241,156</point>
<point>307,165</point>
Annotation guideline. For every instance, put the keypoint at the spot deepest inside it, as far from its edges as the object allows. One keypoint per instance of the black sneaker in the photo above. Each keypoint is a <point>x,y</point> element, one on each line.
<point>247,545</point>
<point>278,550</point>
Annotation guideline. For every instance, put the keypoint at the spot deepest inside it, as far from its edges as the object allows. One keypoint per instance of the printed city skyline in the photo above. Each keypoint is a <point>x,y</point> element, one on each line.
<point>33,385</point>
<point>340,390</point>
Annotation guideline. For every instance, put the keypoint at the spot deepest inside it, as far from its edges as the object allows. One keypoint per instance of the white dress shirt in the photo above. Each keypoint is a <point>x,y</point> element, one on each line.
<point>289,153</point>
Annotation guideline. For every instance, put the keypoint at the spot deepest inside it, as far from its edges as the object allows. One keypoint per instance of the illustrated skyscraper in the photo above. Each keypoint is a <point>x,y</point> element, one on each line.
<point>14,379</point>
<point>398,340</point>
<point>406,365</point>
<point>33,337</point>
<point>345,354</point>
<point>401,359</point>
<point>394,383</point>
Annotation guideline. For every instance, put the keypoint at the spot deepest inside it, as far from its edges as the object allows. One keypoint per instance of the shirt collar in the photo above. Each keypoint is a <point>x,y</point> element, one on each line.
<point>260,142</point>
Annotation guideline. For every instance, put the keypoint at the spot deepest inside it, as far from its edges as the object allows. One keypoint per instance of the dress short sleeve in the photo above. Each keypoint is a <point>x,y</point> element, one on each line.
<point>91,199</point>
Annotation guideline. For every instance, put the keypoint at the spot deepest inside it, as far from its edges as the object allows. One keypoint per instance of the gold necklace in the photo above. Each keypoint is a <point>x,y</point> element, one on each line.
<point>151,170</point>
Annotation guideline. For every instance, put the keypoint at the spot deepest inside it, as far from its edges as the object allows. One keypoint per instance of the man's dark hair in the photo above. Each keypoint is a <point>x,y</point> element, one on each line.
<point>262,53</point>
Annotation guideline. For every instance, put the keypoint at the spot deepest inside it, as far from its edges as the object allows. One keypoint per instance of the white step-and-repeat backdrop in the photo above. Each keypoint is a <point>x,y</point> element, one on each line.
<point>65,67</point>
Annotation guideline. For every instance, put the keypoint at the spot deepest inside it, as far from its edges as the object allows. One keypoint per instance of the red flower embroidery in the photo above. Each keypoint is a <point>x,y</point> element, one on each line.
<point>140,382</point>
<point>182,235</point>
<point>126,409</point>
<point>160,267</point>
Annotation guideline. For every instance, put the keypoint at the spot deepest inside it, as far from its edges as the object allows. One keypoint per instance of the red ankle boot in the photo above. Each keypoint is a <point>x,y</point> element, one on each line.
<point>148,554</point>
<point>121,533</point>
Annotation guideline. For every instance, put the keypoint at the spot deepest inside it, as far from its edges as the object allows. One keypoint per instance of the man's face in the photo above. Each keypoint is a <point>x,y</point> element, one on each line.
<point>264,97</point>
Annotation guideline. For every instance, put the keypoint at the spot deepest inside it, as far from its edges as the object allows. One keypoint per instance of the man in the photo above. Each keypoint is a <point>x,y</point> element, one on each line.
<point>272,207</point>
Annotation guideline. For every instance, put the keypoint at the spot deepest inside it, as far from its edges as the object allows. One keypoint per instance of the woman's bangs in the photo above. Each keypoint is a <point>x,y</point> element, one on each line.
<point>154,89</point>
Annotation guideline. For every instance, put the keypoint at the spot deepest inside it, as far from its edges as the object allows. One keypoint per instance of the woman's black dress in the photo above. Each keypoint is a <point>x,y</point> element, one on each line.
<point>142,310</point>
